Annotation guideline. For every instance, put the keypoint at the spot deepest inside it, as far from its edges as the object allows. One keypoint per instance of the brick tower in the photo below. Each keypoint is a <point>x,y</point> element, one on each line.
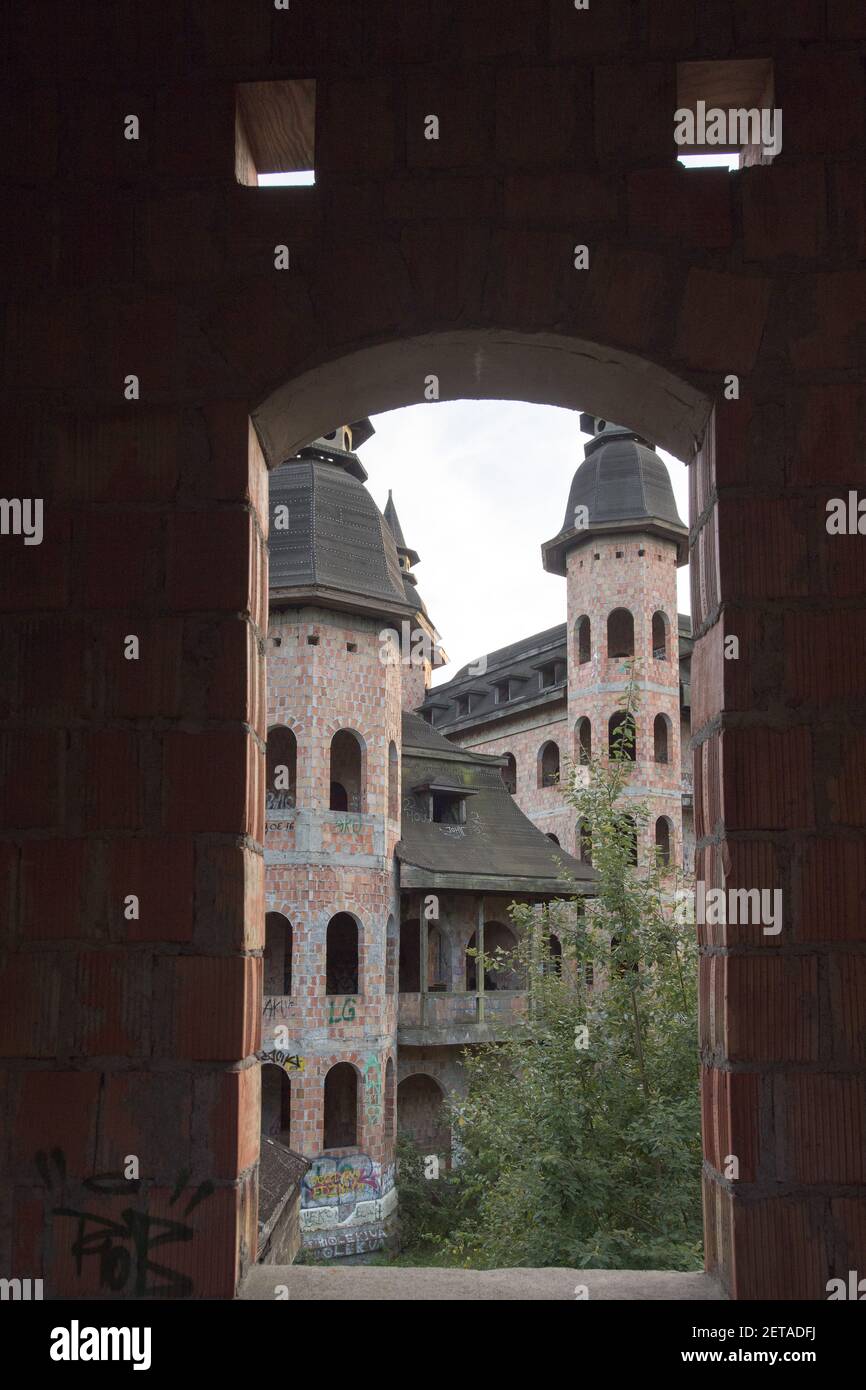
<point>619,548</point>
<point>333,800</point>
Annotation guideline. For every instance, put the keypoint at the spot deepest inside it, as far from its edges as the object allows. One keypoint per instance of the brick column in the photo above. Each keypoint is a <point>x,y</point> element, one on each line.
<point>779,804</point>
<point>130,846</point>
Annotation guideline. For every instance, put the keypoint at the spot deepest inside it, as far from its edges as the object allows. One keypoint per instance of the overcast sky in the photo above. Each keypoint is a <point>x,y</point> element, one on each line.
<point>478,485</point>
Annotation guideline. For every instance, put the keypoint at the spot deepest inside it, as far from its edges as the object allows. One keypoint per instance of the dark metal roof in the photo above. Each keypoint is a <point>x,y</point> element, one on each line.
<point>498,849</point>
<point>337,546</point>
<point>518,662</point>
<point>393,521</point>
<point>624,486</point>
<point>280,1172</point>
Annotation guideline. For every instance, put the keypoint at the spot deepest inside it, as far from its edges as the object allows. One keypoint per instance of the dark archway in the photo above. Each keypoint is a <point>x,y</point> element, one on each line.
<point>341,955</point>
<point>341,1107</point>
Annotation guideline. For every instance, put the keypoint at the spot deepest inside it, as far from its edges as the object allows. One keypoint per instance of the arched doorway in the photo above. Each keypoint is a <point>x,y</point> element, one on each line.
<point>419,1114</point>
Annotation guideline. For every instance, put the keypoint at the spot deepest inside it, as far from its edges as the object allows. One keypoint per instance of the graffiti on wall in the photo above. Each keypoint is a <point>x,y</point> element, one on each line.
<point>341,1183</point>
<point>357,1241</point>
<point>373,1090</point>
<point>276,1006</point>
<point>289,1061</point>
<point>346,1014</point>
<point>123,1249</point>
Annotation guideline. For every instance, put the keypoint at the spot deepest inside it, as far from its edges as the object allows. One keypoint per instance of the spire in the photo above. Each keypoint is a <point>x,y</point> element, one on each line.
<point>408,557</point>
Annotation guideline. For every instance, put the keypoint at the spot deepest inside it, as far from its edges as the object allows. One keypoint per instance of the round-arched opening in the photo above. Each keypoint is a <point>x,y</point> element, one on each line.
<point>620,634</point>
<point>622,737</point>
<point>583,837</point>
<point>583,640</point>
<point>341,955</point>
<point>509,773</point>
<point>664,841</point>
<point>393,782</point>
<point>420,1114</point>
<point>548,764</point>
<point>281,777</point>
<point>277,955</point>
<point>276,1103</point>
<point>661,739</point>
<point>498,938</point>
<point>660,636</point>
<point>347,791</point>
<point>583,741</point>
<point>340,1107</point>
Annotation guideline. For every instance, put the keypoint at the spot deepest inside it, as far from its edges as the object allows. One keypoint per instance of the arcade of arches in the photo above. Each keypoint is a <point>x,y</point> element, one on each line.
<point>413,260</point>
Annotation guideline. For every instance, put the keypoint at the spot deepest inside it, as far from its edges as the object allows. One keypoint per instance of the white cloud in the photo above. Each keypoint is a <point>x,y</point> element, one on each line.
<point>478,485</point>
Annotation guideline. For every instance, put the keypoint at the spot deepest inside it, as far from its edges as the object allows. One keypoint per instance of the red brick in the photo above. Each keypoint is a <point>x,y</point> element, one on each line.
<point>821,96</point>
<point>778,567</point>
<point>131,456</point>
<point>780,1244</point>
<point>355,126</point>
<point>540,113</point>
<point>56,1110</point>
<point>465,112</point>
<point>848,1002</point>
<point>722,320</point>
<point>824,654</point>
<point>832,308</point>
<point>118,559</point>
<point>30,770</point>
<point>830,891</point>
<point>768,779</point>
<point>823,1120</point>
<point>771,1006</point>
<point>208,778</point>
<point>830,422</point>
<point>209,560</point>
<point>112,793</point>
<point>148,1115</point>
<point>603,28</point>
<point>690,207</point>
<point>159,872</point>
<point>31,1028</point>
<point>215,1007</point>
<point>783,211</point>
<point>113,995</point>
<point>625,294</point>
<point>847,786</point>
<point>46,912</point>
<point>151,686</point>
<point>634,106</point>
<point>235,1121</point>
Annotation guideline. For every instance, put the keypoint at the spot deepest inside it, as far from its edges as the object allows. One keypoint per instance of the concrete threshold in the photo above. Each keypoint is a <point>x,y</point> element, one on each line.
<point>311,1283</point>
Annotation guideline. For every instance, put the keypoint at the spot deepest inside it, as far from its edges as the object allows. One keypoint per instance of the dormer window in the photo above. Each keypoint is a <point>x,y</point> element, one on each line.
<point>502,692</point>
<point>548,675</point>
<point>447,808</point>
<point>464,705</point>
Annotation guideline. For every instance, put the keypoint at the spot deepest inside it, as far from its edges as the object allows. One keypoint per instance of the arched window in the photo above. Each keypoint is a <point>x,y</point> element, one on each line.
<point>552,837</point>
<point>276,1103</point>
<point>499,943</point>
<point>630,832</point>
<point>347,772</point>
<point>393,782</point>
<point>341,955</point>
<point>509,773</point>
<point>583,739</point>
<point>621,737</point>
<point>554,951</point>
<point>661,748</point>
<point>390,1103</point>
<point>278,955</point>
<point>341,1107</point>
<point>620,634</point>
<point>664,840</point>
<point>437,958</point>
<point>282,769</point>
<point>583,640</point>
<point>584,843</point>
<point>420,1116</point>
<point>410,956</point>
<point>391,956</point>
<point>661,627</point>
<point>548,765</point>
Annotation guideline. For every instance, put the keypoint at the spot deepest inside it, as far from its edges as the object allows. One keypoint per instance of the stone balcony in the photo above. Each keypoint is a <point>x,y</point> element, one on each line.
<point>465,1016</point>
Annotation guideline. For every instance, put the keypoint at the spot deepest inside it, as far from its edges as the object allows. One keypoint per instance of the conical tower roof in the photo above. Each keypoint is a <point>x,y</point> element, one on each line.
<point>622,485</point>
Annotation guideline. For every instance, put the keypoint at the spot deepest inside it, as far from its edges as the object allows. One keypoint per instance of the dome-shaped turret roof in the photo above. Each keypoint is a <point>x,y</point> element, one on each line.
<point>624,486</point>
<point>329,543</point>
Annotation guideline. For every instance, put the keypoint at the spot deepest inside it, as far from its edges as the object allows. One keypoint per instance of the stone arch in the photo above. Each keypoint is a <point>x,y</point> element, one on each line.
<point>277,955</point>
<point>548,764</point>
<point>622,736</point>
<point>420,1099</point>
<point>342,955</point>
<point>661,643</point>
<point>662,739</point>
<point>583,740</point>
<point>620,634</point>
<point>664,841</point>
<point>391,954</point>
<point>348,772</point>
<point>276,1102</point>
<point>393,782</point>
<point>281,777</point>
<point>341,1106</point>
<point>497,363</point>
<point>583,640</point>
<point>509,773</point>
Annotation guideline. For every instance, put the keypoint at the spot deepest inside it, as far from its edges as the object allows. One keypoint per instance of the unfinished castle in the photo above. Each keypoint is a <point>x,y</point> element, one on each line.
<point>402,820</point>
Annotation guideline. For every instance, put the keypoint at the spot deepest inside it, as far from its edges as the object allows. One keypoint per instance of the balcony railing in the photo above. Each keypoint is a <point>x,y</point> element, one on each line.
<point>441,1010</point>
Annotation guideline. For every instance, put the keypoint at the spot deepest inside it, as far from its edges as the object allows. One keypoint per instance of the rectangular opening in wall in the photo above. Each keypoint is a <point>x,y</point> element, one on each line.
<point>725,115</point>
<point>275,130</point>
